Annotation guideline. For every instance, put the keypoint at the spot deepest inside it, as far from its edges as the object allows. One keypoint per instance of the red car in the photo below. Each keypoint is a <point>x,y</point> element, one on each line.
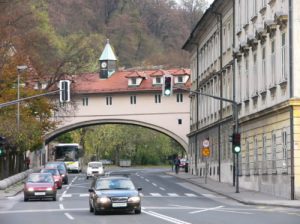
<point>40,186</point>
<point>56,175</point>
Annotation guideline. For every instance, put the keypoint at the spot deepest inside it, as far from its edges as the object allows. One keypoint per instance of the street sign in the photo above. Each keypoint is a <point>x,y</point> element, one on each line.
<point>205,143</point>
<point>205,152</point>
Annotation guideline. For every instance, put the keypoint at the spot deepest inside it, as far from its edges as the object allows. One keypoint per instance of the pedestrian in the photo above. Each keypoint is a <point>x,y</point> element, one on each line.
<point>27,162</point>
<point>177,163</point>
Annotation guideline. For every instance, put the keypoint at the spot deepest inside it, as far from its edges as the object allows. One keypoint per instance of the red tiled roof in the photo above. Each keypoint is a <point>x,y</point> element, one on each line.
<point>118,82</point>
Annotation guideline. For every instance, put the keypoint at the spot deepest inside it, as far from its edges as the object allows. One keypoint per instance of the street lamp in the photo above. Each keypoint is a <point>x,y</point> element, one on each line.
<point>20,68</point>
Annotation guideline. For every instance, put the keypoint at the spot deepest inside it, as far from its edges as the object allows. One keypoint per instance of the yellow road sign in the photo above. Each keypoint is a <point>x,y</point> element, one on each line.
<point>206,152</point>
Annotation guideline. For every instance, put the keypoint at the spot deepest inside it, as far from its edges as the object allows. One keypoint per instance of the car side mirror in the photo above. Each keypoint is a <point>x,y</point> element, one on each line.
<point>139,188</point>
<point>91,190</point>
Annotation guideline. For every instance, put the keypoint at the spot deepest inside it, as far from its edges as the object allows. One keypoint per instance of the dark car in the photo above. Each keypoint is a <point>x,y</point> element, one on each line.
<point>114,193</point>
<point>61,166</point>
<point>40,186</point>
<point>56,175</point>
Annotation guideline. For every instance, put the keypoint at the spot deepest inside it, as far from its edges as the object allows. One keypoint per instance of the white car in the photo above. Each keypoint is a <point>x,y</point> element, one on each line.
<point>94,169</point>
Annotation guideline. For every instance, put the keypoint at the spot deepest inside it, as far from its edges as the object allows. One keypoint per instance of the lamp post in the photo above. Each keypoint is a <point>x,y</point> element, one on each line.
<point>20,69</point>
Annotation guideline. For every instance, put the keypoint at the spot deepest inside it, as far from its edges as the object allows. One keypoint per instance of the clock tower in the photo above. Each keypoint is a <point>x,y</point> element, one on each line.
<point>108,62</point>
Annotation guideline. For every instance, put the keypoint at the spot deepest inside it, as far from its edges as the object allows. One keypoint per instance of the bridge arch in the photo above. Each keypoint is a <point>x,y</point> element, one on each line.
<point>66,128</point>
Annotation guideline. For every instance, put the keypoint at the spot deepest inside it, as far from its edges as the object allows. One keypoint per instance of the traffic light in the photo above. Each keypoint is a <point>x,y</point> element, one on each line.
<point>236,143</point>
<point>64,93</point>
<point>167,86</point>
<point>2,150</point>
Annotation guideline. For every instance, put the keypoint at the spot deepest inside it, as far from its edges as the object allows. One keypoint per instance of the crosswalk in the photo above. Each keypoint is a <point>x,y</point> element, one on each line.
<point>154,194</point>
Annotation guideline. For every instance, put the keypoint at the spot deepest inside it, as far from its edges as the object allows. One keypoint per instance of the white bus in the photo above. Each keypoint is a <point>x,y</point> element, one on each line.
<point>71,154</point>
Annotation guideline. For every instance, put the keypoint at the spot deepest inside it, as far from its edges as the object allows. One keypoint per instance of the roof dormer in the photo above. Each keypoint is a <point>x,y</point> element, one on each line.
<point>135,78</point>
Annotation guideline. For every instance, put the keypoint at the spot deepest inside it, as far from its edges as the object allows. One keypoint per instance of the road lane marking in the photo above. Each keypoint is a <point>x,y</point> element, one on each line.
<point>84,195</point>
<point>230,211</point>
<point>173,194</point>
<point>162,188</point>
<point>66,195</point>
<point>156,194</point>
<point>61,206</point>
<point>190,195</point>
<point>69,216</point>
<point>154,184</point>
<point>166,218</point>
<point>212,196</point>
<point>147,180</point>
<point>207,209</point>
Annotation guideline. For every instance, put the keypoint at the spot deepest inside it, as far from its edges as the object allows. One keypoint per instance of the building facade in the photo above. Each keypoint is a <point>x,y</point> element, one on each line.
<point>262,78</point>
<point>210,45</point>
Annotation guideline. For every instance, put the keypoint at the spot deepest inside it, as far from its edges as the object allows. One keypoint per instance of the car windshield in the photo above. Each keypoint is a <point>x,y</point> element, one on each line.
<point>55,165</point>
<point>110,184</point>
<point>40,178</point>
<point>95,165</point>
<point>52,171</point>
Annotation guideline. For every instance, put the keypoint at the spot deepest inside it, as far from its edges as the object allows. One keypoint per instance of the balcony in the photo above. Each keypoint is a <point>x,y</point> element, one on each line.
<point>270,26</point>
<point>281,19</point>
<point>237,54</point>
<point>252,41</point>
<point>261,34</point>
<point>244,47</point>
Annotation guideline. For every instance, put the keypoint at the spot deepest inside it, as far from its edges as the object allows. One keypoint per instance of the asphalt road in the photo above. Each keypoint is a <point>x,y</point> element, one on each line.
<point>166,199</point>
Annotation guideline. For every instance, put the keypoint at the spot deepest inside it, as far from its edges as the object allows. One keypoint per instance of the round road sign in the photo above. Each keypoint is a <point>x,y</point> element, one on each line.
<point>205,143</point>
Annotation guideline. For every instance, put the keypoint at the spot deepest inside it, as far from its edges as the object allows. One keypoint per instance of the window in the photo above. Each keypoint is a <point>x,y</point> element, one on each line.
<point>284,146</point>
<point>180,79</point>
<point>157,98</point>
<point>256,165</point>
<point>255,75</point>
<point>247,158</point>
<point>109,100</point>
<point>247,77</point>
<point>179,121</point>
<point>132,99</point>
<point>264,154</point>
<point>85,101</point>
<point>179,97</point>
<point>273,63</point>
<point>228,35</point>
<point>158,80</point>
<point>273,152</point>
<point>284,54</point>
<point>264,79</point>
<point>133,81</point>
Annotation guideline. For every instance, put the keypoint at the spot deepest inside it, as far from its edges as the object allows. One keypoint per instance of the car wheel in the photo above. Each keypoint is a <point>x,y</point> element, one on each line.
<point>87,177</point>
<point>54,198</point>
<point>25,198</point>
<point>138,211</point>
<point>96,212</point>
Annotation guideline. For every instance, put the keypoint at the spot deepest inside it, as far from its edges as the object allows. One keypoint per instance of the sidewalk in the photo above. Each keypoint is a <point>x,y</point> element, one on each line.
<point>12,190</point>
<point>245,196</point>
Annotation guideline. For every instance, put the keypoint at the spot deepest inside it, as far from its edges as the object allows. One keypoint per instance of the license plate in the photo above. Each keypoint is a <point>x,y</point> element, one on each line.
<point>39,193</point>
<point>118,205</point>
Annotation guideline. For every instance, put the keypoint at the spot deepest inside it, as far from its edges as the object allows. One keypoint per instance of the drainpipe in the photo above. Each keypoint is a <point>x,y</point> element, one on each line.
<point>219,18</point>
<point>197,110</point>
<point>291,96</point>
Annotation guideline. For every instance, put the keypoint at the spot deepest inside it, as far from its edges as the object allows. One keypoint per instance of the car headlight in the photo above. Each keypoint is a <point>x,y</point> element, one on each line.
<point>62,175</point>
<point>134,199</point>
<point>103,200</point>
<point>49,189</point>
<point>30,189</point>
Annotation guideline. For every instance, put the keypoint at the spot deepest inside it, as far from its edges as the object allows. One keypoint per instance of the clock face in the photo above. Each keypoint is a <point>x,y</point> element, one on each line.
<point>103,64</point>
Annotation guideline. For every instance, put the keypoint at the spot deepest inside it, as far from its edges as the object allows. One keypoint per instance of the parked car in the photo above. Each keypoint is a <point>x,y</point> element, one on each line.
<point>40,186</point>
<point>94,169</point>
<point>182,163</point>
<point>62,169</point>
<point>106,162</point>
<point>56,175</point>
<point>114,193</point>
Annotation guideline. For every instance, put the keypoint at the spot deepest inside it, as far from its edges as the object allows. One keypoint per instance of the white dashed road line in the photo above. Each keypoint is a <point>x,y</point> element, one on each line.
<point>69,216</point>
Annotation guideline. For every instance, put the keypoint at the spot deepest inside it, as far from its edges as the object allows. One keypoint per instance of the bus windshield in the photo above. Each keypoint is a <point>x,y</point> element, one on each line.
<point>67,152</point>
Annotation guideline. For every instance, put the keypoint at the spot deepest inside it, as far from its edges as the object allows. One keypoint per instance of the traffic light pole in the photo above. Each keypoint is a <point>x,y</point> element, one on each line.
<point>27,98</point>
<point>236,129</point>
